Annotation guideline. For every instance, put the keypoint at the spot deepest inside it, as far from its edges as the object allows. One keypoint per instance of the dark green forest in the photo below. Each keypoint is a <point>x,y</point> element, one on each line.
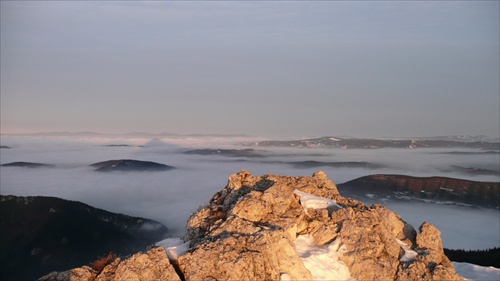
<point>488,257</point>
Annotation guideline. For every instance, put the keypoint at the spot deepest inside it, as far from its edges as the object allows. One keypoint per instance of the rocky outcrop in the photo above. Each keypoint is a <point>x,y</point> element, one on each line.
<point>484,194</point>
<point>152,265</point>
<point>281,228</point>
<point>247,231</point>
<point>127,165</point>
<point>43,234</point>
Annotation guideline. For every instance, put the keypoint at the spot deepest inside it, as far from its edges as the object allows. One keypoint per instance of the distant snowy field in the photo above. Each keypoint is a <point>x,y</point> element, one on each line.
<point>170,197</point>
<point>476,272</point>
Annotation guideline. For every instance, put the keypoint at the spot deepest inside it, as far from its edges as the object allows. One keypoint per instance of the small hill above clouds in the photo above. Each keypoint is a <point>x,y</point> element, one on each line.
<point>27,165</point>
<point>42,234</point>
<point>288,228</point>
<point>128,165</point>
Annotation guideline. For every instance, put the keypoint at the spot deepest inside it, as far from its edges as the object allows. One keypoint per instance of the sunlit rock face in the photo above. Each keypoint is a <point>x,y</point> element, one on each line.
<point>248,230</point>
<point>42,234</point>
<point>151,265</point>
<point>275,227</point>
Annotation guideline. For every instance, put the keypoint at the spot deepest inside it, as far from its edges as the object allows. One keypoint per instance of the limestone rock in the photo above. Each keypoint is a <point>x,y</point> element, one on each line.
<point>75,274</point>
<point>152,265</point>
<point>249,230</point>
<point>242,250</point>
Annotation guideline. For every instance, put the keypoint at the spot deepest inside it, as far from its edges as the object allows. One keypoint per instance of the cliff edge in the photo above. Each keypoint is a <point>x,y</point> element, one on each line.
<point>291,228</point>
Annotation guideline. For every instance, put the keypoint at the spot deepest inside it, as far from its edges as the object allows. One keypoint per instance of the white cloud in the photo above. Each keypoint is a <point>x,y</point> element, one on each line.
<point>170,197</point>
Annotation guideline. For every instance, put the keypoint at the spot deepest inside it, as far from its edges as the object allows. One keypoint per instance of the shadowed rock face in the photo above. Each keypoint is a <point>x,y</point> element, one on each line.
<point>485,194</point>
<point>43,234</point>
<point>128,165</point>
<point>26,165</point>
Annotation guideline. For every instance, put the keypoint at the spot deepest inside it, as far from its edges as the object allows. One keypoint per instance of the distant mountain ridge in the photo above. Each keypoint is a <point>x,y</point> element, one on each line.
<point>484,194</point>
<point>372,143</point>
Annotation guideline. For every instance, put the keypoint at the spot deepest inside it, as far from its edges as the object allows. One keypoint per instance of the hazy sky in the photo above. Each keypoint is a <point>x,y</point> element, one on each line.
<point>261,68</point>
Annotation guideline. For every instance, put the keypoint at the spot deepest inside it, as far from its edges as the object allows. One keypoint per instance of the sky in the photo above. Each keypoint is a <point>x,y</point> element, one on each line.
<point>388,68</point>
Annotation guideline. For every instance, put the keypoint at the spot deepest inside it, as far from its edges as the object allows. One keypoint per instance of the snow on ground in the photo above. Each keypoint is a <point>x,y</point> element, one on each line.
<point>312,201</point>
<point>175,247</point>
<point>322,261</point>
<point>476,272</point>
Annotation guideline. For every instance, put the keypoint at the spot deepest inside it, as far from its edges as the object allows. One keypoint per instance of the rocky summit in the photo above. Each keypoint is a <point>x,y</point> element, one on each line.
<point>275,227</point>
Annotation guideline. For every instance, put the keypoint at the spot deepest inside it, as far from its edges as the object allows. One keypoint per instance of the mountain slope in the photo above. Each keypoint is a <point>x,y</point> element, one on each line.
<point>484,194</point>
<point>42,234</point>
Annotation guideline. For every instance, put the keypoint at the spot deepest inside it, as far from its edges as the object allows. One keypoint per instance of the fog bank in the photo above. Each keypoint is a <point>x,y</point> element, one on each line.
<point>171,196</point>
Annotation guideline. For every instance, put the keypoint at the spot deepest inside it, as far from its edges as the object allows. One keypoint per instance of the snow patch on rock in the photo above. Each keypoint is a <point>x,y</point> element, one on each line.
<point>409,254</point>
<point>175,247</point>
<point>308,200</point>
<point>322,261</point>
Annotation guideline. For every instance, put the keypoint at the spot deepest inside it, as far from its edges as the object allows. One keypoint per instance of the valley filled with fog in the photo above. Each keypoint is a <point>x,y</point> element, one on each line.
<point>171,196</point>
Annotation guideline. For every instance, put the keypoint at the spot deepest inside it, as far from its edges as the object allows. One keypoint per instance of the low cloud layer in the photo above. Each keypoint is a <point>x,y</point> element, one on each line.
<point>171,196</point>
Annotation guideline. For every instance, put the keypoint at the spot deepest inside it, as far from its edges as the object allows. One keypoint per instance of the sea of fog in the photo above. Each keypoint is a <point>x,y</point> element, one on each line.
<point>171,196</point>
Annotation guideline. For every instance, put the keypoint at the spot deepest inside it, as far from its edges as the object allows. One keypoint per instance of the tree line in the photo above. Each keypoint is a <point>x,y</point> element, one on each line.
<point>488,257</point>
